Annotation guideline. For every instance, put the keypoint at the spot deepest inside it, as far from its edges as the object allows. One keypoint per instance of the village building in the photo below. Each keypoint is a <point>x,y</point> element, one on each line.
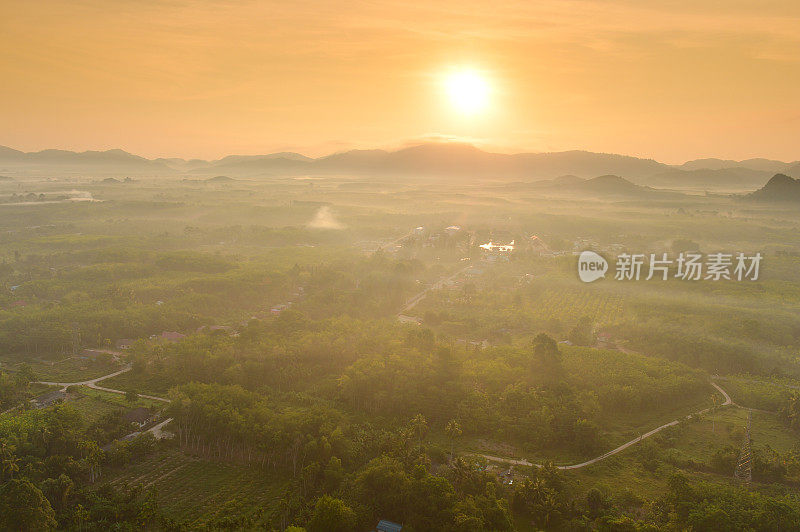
<point>124,343</point>
<point>402,318</point>
<point>138,416</point>
<point>388,526</point>
<point>172,336</point>
<point>277,309</point>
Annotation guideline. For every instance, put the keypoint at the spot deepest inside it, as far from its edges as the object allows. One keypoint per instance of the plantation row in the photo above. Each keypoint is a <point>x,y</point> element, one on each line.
<point>193,491</point>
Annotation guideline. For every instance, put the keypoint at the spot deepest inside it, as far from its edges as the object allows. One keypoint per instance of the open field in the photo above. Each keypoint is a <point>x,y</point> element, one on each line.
<point>690,449</point>
<point>68,369</point>
<point>199,492</point>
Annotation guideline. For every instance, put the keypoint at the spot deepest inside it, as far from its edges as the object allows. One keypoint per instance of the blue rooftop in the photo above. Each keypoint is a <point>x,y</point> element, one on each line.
<point>388,526</point>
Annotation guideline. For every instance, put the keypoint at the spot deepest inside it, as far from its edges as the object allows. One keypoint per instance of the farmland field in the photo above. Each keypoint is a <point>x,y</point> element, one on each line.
<point>197,492</point>
<point>67,369</point>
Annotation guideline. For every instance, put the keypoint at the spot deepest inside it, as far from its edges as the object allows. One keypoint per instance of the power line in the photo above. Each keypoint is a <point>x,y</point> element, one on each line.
<point>744,467</point>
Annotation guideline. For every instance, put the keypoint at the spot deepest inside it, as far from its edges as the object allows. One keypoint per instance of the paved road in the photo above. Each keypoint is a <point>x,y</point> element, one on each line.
<point>92,383</point>
<point>153,397</point>
<point>158,431</point>
<point>411,303</point>
<point>618,449</point>
<point>728,400</point>
<point>155,430</point>
<point>398,239</point>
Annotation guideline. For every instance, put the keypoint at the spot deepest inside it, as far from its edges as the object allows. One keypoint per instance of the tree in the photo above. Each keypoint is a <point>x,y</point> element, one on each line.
<point>581,334</point>
<point>25,373</point>
<point>58,490</point>
<point>131,396</point>
<point>790,412</point>
<point>546,354</point>
<point>333,473</point>
<point>594,501</point>
<point>420,426</point>
<point>384,486</point>
<point>331,515</point>
<point>24,507</point>
<point>586,436</point>
<point>9,463</point>
<point>453,431</point>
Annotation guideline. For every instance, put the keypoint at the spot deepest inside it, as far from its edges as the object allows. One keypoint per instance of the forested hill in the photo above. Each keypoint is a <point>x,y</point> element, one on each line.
<point>779,188</point>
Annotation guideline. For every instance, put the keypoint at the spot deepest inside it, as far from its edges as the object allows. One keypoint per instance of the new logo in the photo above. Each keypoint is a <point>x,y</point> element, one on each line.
<point>591,266</point>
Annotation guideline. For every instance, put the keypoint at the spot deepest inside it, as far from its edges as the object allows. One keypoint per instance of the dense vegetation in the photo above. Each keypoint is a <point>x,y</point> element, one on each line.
<point>332,377</point>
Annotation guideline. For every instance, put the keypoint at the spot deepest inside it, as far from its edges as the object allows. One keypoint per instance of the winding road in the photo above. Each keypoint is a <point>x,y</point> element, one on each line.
<point>92,383</point>
<point>619,449</point>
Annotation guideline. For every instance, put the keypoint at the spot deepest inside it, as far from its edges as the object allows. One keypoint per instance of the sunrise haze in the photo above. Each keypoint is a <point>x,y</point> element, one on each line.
<point>668,80</point>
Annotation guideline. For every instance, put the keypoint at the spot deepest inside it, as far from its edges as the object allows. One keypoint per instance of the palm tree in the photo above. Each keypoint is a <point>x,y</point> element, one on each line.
<point>420,426</point>
<point>550,507</point>
<point>453,431</point>
<point>9,463</point>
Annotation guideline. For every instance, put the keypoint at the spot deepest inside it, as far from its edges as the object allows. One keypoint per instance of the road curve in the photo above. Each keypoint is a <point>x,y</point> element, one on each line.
<point>65,385</point>
<point>727,397</point>
<point>92,383</point>
<point>153,397</point>
<point>621,448</point>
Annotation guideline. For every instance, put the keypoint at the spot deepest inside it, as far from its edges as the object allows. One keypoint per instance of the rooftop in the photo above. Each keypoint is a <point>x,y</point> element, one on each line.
<point>388,526</point>
<point>137,415</point>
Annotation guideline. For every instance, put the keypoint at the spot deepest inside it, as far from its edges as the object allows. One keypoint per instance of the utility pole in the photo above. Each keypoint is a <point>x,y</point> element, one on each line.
<point>76,338</point>
<point>713,420</point>
<point>744,467</point>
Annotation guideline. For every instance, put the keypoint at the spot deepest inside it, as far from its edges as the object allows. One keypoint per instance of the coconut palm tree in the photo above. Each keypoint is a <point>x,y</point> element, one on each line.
<point>453,431</point>
<point>9,463</point>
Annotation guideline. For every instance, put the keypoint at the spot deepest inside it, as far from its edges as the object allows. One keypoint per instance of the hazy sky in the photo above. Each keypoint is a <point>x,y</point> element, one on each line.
<point>672,80</point>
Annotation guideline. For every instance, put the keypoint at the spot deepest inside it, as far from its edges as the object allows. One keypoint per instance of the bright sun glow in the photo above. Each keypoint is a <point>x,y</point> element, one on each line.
<point>467,90</point>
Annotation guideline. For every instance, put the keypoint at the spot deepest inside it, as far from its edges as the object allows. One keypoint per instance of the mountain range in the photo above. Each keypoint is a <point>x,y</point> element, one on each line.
<point>431,160</point>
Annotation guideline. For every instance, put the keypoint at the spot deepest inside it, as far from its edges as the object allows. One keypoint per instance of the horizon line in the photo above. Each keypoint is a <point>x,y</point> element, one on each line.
<point>397,148</point>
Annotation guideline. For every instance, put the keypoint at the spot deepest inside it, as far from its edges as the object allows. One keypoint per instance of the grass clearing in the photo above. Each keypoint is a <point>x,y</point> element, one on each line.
<point>94,404</point>
<point>92,409</point>
<point>757,393</point>
<point>119,399</point>
<point>130,381</point>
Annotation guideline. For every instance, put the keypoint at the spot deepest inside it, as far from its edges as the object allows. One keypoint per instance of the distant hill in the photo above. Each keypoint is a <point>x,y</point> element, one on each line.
<point>256,165</point>
<point>568,180</point>
<point>721,178</point>
<point>780,188</point>
<point>611,184</point>
<point>443,161</point>
<point>220,179</point>
<point>759,164</point>
<point>90,162</point>
<point>601,186</point>
<point>456,161</point>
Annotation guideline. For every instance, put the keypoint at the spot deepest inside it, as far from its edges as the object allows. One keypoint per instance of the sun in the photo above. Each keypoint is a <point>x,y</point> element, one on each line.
<point>467,91</point>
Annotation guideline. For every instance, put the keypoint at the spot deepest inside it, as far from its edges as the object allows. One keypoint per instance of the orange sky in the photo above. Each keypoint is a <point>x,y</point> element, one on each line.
<point>673,80</point>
